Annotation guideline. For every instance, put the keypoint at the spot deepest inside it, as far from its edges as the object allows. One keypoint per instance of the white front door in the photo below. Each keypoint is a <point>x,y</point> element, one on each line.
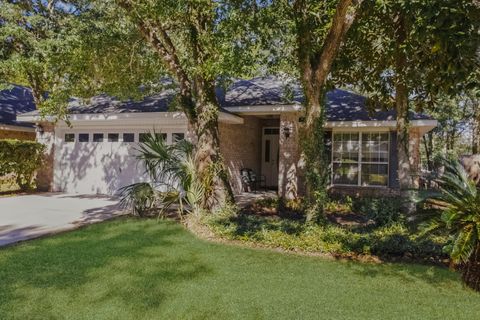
<point>270,154</point>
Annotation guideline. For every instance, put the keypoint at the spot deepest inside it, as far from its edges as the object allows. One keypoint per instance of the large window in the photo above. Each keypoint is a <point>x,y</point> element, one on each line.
<point>360,158</point>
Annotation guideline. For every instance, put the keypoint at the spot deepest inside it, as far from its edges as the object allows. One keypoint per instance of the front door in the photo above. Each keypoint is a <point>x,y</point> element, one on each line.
<point>270,153</point>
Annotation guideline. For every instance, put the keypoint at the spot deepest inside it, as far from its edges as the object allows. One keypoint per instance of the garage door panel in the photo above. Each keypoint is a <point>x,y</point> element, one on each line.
<point>96,167</point>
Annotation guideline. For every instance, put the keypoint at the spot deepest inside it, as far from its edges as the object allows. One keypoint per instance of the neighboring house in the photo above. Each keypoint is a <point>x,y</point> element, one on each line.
<point>259,129</point>
<point>14,102</point>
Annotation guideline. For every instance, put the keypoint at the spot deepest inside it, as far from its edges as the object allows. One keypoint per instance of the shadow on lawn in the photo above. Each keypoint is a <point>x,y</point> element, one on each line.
<point>123,260</point>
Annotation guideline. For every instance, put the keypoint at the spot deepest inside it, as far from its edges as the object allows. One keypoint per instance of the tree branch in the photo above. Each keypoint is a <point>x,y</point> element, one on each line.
<point>161,42</point>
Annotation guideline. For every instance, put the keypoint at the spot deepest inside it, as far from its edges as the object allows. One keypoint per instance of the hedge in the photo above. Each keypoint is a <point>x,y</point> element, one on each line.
<point>20,160</point>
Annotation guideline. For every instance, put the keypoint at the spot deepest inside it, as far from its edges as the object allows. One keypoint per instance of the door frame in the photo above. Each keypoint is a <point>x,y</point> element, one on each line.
<point>275,184</point>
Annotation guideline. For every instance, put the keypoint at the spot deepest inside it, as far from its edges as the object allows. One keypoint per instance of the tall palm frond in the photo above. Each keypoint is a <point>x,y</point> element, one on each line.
<point>173,178</point>
<point>457,211</point>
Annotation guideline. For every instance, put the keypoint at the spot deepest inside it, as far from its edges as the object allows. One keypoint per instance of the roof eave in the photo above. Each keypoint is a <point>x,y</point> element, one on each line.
<point>10,127</point>
<point>158,117</point>
<point>424,125</point>
<point>265,109</point>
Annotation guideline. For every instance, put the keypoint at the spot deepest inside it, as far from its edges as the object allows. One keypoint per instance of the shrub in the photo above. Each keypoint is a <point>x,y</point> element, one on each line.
<point>21,159</point>
<point>394,240</point>
<point>384,211</point>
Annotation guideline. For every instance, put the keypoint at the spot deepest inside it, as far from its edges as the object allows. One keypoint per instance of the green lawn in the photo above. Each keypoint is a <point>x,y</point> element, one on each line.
<point>144,269</point>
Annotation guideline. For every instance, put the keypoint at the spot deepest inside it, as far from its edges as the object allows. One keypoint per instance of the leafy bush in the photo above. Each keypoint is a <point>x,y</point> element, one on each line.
<point>456,210</point>
<point>20,159</point>
<point>384,211</point>
<point>394,240</point>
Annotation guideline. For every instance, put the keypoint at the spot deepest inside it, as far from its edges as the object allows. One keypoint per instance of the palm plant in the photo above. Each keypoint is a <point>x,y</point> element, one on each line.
<point>456,210</point>
<point>173,179</point>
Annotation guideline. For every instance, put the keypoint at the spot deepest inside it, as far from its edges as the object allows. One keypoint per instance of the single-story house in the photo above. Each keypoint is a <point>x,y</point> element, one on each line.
<point>13,102</point>
<point>259,129</point>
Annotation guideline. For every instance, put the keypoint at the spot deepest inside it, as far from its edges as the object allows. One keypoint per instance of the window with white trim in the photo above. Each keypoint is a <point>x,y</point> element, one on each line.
<point>360,158</point>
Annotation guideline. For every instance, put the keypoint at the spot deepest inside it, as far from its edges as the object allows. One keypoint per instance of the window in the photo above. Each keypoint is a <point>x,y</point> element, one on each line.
<point>267,150</point>
<point>360,158</point>
<point>69,137</point>
<point>128,137</point>
<point>162,136</point>
<point>98,137</point>
<point>269,131</point>
<point>143,137</point>
<point>83,137</point>
<point>176,137</point>
<point>113,137</point>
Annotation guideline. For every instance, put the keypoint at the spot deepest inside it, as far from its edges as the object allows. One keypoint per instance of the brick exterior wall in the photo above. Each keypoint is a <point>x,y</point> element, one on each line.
<point>290,178</point>
<point>241,147</point>
<point>20,135</point>
<point>45,174</point>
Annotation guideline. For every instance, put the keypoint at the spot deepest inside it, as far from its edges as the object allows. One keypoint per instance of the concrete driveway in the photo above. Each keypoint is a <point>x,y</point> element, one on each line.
<point>30,216</point>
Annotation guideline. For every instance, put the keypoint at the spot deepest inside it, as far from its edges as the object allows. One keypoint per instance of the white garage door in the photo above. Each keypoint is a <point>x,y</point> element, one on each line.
<point>92,161</point>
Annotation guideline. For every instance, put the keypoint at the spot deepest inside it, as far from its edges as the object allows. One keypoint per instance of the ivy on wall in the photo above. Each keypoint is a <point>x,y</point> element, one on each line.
<point>20,160</point>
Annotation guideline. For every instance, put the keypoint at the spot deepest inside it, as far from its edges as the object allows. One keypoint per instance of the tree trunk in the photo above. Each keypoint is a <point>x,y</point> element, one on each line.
<point>209,162</point>
<point>314,66</point>
<point>401,105</point>
<point>476,131</point>
<point>471,270</point>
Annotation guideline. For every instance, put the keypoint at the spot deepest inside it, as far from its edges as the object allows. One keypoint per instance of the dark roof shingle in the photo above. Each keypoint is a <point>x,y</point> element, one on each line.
<point>14,101</point>
<point>341,105</point>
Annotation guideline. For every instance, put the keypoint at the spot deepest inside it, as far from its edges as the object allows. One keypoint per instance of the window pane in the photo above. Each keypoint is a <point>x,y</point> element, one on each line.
<point>268,131</point>
<point>346,147</point>
<point>344,173</point>
<point>128,137</point>
<point>374,147</point>
<point>98,137</point>
<point>176,137</point>
<point>374,174</point>
<point>69,137</point>
<point>162,136</point>
<point>267,150</point>
<point>113,137</point>
<point>142,137</point>
<point>83,137</point>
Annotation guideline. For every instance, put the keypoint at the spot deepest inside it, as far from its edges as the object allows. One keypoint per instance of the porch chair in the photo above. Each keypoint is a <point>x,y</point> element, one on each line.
<point>251,181</point>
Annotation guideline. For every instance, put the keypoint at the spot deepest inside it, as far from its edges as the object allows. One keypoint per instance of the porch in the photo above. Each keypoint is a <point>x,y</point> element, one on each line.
<point>268,145</point>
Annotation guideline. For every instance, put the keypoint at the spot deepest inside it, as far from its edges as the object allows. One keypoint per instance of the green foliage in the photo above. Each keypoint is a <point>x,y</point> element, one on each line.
<point>394,240</point>
<point>317,169</point>
<point>384,211</point>
<point>455,210</point>
<point>21,159</point>
<point>441,46</point>
<point>173,179</point>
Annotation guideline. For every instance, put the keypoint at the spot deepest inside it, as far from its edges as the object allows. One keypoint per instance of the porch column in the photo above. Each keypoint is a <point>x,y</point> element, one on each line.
<point>290,183</point>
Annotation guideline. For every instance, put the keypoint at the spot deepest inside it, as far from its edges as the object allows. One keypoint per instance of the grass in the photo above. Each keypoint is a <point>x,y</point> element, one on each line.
<point>144,269</point>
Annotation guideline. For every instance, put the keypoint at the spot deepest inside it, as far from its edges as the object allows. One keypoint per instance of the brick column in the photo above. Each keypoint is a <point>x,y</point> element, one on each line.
<point>290,181</point>
<point>45,173</point>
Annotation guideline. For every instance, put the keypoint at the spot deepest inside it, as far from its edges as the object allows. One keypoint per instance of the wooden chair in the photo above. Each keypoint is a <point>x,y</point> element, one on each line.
<point>251,181</point>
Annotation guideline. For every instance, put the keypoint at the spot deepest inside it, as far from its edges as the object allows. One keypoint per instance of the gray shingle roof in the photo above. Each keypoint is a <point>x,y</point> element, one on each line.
<point>341,105</point>
<point>15,101</point>
<point>344,105</point>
